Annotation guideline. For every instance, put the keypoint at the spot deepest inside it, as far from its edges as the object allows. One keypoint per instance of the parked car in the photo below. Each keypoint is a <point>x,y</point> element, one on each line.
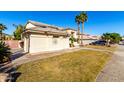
<point>99,42</point>
<point>121,43</point>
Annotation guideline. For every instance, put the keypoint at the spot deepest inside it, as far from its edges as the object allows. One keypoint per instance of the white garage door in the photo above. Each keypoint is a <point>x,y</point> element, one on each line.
<point>38,44</point>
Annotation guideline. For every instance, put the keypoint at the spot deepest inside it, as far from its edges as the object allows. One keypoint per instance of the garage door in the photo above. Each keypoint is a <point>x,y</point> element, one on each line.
<point>38,44</point>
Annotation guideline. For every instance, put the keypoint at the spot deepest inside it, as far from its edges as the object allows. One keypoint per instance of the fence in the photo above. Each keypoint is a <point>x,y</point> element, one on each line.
<point>13,44</point>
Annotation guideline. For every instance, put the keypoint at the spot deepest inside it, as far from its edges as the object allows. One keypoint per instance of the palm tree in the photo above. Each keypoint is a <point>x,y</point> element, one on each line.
<point>77,20</point>
<point>2,28</point>
<point>83,18</point>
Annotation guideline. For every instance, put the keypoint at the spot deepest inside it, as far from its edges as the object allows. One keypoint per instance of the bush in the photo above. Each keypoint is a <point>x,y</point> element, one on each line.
<point>72,40</point>
<point>4,52</point>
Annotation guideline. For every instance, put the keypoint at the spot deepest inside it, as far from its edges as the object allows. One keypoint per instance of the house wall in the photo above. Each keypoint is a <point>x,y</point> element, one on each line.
<point>26,42</point>
<point>29,25</point>
<point>87,41</point>
<point>74,33</point>
<point>42,43</point>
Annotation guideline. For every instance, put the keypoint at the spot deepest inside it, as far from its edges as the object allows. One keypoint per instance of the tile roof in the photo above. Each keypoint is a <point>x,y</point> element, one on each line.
<point>41,28</point>
<point>43,24</point>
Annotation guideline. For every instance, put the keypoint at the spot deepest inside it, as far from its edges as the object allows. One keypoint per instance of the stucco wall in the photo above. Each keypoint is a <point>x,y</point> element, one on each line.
<point>86,42</point>
<point>29,25</point>
<point>13,44</point>
<point>41,43</point>
<point>26,42</point>
<point>74,33</point>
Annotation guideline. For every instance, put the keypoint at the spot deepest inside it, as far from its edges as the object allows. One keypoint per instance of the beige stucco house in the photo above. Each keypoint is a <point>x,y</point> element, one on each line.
<point>73,32</point>
<point>87,38</point>
<point>40,37</point>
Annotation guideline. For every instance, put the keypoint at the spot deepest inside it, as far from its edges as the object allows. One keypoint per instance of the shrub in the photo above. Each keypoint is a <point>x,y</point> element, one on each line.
<point>4,52</point>
<point>72,40</point>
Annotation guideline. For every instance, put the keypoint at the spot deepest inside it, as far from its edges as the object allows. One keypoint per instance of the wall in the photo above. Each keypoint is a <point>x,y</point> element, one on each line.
<point>29,25</point>
<point>87,41</point>
<point>13,44</point>
<point>41,43</point>
<point>26,42</point>
<point>74,33</point>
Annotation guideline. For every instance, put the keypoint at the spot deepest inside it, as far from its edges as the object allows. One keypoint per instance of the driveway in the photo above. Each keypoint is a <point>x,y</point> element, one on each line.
<point>114,70</point>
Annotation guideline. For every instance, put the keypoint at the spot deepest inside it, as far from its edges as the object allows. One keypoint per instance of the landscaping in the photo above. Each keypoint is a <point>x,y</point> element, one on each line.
<point>4,52</point>
<point>82,65</point>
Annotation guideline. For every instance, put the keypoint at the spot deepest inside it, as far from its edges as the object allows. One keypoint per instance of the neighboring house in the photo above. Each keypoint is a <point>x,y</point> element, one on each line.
<point>122,38</point>
<point>122,41</point>
<point>40,37</point>
<point>6,36</point>
<point>73,33</point>
<point>87,38</point>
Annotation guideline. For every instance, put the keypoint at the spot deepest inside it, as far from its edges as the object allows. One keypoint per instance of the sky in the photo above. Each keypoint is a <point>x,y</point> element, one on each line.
<point>99,22</point>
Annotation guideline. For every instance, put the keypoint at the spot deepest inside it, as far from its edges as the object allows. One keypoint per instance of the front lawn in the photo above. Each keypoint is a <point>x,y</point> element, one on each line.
<point>83,65</point>
<point>112,48</point>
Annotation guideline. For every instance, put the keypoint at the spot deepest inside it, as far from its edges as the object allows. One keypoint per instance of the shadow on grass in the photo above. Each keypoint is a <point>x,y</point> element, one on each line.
<point>15,76</point>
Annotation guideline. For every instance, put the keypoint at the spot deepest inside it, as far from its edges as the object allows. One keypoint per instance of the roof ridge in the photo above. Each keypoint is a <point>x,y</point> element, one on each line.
<point>43,24</point>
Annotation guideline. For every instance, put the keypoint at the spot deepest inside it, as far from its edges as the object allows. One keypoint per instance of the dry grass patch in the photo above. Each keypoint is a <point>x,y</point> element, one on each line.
<point>83,65</point>
<point>112,48</point>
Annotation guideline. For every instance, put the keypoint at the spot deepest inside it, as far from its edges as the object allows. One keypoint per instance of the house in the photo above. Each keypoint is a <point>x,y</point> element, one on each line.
<point>73,32</point>
<point>122,41</point>
<point>40,37</point>
<point>6,36</point>
<point>87,38</point>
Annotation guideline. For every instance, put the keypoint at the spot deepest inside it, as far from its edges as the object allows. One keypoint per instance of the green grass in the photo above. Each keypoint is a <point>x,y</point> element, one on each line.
<point>83,65</point>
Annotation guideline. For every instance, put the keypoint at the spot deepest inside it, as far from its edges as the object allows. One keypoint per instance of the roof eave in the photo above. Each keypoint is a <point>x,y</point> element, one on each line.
<point>46,32</point>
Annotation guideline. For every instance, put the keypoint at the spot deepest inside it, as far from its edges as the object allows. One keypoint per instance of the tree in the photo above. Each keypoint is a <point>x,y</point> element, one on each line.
<point>115,37</point>
<point>111,38</point>
<point>83,19</point>
<point>4,52</point>
<point>2,28</point>
<point>107,38</point>
<point>17,33</point>
<point>78,21</point>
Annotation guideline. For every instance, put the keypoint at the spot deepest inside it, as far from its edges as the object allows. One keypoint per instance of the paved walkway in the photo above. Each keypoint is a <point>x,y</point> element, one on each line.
<point>114,70</point>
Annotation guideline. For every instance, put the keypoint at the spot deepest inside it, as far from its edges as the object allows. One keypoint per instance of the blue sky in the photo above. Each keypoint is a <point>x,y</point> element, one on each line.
<point>98,22</point>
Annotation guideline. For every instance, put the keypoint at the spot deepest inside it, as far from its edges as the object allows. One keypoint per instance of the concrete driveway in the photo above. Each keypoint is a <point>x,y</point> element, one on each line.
<point>114,70</point>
